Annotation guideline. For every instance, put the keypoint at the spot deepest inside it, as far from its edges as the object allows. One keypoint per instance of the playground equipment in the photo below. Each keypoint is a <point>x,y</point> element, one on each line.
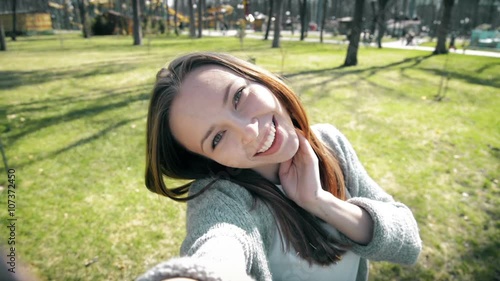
<point>180,16</point>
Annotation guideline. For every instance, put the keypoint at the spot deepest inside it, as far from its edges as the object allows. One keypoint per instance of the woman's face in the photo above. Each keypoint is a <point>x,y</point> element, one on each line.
<point>231,120</point>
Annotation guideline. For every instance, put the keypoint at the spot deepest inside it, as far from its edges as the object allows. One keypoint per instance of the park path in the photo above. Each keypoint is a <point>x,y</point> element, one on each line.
<point>401,45</point>
<point>286,36</point>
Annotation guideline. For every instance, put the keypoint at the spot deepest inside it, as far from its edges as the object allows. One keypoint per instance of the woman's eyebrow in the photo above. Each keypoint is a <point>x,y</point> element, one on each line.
<point>224,102</point>
<point>226,94</point>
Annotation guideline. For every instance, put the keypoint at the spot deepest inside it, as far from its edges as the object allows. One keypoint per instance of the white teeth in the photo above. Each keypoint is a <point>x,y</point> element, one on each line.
<point>270,139</point>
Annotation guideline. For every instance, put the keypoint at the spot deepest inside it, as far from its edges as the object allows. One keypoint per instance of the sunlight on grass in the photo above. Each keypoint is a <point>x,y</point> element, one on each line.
<point>73,126</point>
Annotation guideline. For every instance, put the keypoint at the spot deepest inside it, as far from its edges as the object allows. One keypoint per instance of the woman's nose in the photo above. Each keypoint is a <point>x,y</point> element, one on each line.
<point>249,130</point>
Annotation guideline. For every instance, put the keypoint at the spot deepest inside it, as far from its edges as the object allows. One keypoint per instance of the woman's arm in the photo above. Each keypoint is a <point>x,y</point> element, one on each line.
<point>395,235</point>
<point>395,232</point>
<point>350,219</point>
<point>223,240</point>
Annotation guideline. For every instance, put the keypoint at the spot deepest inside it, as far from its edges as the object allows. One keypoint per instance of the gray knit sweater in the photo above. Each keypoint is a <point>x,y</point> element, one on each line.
<point>226,240</point>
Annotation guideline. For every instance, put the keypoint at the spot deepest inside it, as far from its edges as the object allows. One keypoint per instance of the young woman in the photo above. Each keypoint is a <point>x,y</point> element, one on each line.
<point>271,198</point>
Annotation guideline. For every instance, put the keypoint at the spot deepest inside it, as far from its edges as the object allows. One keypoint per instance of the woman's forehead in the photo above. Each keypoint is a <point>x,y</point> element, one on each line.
<point>209,78</point>
<point>210,72</point>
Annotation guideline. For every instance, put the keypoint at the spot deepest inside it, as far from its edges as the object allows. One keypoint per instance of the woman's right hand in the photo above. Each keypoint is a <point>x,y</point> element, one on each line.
<point>300,177</point>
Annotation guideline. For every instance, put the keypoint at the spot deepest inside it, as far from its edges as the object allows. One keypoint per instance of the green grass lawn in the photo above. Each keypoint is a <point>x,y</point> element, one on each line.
<point>72,123</point>
<point>459,44</point>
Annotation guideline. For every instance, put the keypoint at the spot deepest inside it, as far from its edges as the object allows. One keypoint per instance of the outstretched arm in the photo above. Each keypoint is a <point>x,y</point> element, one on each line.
<point>223,239</point>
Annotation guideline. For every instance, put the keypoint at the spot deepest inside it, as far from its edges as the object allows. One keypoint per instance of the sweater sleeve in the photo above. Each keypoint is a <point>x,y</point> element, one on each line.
<point>395,236</point>
<point>223,241</point>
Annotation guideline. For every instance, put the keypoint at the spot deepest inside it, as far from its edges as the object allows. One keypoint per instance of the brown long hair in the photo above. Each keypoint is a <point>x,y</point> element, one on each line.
<point>166,157</point>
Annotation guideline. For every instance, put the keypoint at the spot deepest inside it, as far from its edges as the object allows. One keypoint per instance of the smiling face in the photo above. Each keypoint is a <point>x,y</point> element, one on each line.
<point>234,121</point>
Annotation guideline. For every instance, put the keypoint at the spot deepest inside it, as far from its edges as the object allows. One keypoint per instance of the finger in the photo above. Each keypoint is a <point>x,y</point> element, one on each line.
<point>302,145</point>
<point>306,151</point>
<point>285,167</point>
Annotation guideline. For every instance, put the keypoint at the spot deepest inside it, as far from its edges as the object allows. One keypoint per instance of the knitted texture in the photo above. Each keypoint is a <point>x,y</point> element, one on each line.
<point>197,269</point>
<point>228,239</point>
<point>394,225</point>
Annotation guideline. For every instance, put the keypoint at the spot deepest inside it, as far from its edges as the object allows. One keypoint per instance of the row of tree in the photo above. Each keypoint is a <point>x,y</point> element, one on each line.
<point>354,35</point>
<point>379,9</point>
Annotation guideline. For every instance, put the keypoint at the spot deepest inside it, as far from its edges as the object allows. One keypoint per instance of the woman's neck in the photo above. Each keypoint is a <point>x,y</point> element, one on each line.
<point>269,172</point>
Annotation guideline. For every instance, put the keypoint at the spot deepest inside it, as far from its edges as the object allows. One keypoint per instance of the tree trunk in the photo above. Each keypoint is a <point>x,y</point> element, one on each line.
<point>303,12</point>
<point>3,43</point>
<point>373,26</point>
<point>85,18</point>
<point>323,20</point>
<point>146,16</point>
<point>475,15</point>
<point>67,23</point>
<point>337,5</point>
<point>205,23</point>
<point>176,28</point>
<point>167,17</point>
<point>192,30</point>
<point>200,18</point>
<point>154,16</point>
<point>382,5</point>
<point>352,51</point>
<point>405,8</point>
<point>277,24</point>
<point>270,15</point>
<point>14,20</point>
<point>443,28</point>
<point>137,22</point>
<point>396,16</point>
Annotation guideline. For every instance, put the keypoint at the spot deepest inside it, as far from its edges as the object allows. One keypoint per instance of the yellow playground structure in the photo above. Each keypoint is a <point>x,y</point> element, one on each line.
<point>210,15</point>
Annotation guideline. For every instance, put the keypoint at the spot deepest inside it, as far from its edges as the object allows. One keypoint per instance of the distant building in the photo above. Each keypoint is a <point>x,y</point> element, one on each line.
<point>32,16</point>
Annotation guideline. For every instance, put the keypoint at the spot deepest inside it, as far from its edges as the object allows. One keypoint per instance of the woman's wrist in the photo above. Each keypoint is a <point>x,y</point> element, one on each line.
<point>351,220</point>
<point>320,205</point>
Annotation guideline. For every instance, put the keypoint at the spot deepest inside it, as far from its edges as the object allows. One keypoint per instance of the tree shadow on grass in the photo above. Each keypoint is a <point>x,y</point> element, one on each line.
<point>470,79</point>
<point>487,66</point>
<point>78,45</point>
<point>494,151</point>
<point>114,99</point>
<point>14,79</point>
<point>481,252</point>
<point>362,74</point>
<point>50,103</point>
<point>79,142</point>
<point>11,79</point>
<point>478,262</point>
<point>370,71</point>
<point>404,273</point>
<point>416,62</point>
<point>482,259</point>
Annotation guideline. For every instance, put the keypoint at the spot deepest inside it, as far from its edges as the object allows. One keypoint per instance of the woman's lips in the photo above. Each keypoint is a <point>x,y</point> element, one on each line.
<point>278,140</point>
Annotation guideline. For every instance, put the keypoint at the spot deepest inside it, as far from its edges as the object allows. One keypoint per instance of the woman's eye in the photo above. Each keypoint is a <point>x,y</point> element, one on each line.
<point>217,139</point>
<point>237,96</point>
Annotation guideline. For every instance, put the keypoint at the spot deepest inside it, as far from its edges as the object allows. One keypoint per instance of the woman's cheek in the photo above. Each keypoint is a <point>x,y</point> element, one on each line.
<point>230,161</point>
